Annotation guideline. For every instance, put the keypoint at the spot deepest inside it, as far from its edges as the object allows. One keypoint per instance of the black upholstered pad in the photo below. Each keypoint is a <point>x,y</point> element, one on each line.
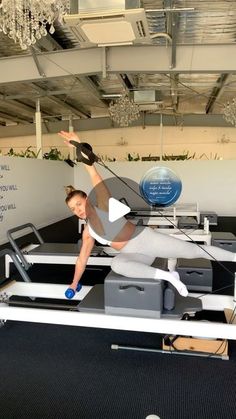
<point>59,249</point>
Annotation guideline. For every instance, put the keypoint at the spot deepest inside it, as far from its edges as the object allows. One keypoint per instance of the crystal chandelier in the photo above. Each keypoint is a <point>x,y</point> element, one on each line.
<point>25,21</point>
<point>229,112</point>
<point>124,111</point>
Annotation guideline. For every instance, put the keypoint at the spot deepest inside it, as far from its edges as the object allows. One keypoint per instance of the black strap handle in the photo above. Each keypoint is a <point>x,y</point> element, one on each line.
<point>84,153</point>
<point>125,287</point>
<point>194,272</point>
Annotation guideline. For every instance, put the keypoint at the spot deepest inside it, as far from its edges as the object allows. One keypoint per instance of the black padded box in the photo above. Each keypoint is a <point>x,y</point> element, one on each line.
<point>225,240</point>
<point>187,222</point>
<point>196,274</point>
<point>211,216</point>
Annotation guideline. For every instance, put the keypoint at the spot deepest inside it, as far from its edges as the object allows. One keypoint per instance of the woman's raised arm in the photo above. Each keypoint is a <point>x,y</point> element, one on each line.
<point>102,192</point>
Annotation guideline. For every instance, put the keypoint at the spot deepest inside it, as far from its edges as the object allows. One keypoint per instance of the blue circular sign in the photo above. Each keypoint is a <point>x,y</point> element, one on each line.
<point>160,186</point>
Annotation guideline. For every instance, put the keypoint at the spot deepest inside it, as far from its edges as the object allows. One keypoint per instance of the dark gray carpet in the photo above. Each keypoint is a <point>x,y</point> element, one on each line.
<point>50,371</point>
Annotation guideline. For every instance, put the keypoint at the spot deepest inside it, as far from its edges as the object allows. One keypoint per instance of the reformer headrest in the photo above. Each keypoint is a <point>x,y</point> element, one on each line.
<point>84,153</point>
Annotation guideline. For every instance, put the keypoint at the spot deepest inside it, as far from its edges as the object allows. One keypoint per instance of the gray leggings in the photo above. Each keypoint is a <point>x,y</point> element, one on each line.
<point>139,253</point>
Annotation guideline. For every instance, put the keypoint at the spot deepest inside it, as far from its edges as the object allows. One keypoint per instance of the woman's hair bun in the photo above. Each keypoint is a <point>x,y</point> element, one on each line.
<point>69,189</point>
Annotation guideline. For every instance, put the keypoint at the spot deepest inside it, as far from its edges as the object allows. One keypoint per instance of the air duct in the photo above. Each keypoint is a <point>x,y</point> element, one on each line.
<point>106,26</point>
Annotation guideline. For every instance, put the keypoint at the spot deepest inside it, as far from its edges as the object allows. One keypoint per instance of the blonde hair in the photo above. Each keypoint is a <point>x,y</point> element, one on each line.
<point>69,189</point>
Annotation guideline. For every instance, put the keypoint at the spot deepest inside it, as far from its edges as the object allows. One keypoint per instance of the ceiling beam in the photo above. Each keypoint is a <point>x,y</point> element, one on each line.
<point>63,103</point>
<point>174,91</point>
<point>38,94</point>
<point>106,123</point>
<point>37,63</point>
<point>47,43</point>
<point>19,107</point>
<point>92,88</point>
<point>82,113</point>
<point>216,92</point>
<point>122,59</point>
<point>14,118</point>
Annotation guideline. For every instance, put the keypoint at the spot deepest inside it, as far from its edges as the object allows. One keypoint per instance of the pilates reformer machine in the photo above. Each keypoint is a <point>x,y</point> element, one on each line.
<point>121,303</point>
<point>171,216</point>
<point>67,253</point>
<point>175,211</point>
<point>52,253</point>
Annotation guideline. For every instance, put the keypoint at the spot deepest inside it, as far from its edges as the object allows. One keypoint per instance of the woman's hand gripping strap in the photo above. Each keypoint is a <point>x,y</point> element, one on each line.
<point>84,153</point>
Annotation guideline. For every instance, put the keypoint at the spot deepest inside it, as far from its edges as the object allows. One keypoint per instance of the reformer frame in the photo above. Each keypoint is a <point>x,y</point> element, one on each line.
<point>73,317</point>
<point>100,320</point>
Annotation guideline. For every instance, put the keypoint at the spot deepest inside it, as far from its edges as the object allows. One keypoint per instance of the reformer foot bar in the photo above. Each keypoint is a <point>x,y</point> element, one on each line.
<point>52,253</point>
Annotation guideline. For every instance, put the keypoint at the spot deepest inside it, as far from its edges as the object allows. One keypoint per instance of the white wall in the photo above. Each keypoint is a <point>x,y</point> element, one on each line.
<point>210,183</point>
<point>32,191</point>
<point>145,141</point>
<point>199,140</point>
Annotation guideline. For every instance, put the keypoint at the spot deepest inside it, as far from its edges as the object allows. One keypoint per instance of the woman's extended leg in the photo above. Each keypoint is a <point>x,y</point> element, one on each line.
<point>139,253</point>
<point>152,243</point>
<point>135,265</point>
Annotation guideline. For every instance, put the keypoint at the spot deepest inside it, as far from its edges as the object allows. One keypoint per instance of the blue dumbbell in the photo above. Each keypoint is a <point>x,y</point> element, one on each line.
<point>70,293</point>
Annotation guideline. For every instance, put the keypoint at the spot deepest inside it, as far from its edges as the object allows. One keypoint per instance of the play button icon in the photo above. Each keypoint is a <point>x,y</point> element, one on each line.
<point>116,209</point>
<point>123,199</point>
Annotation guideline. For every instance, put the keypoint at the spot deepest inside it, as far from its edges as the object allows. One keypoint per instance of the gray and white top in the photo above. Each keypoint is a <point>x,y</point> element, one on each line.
<point>111,229</point>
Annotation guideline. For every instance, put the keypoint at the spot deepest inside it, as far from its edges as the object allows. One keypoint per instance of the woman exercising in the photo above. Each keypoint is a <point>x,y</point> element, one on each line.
<point>138,246</point>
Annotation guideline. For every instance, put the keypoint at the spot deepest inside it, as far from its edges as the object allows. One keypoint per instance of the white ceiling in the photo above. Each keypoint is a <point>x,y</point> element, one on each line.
<point>187,56</point>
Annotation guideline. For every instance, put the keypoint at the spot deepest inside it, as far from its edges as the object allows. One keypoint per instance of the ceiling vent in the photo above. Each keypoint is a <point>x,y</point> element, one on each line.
<point>147,96</point>
<point>118,27</point>
<point>148,100</point>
